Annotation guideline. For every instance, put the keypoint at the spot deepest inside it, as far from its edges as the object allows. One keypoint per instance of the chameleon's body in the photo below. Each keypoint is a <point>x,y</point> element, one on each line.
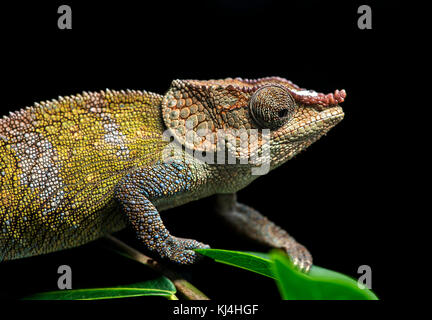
<point>77,168</point>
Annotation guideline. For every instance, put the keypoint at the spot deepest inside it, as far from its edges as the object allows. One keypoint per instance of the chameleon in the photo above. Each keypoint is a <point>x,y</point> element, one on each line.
<point>80,167</point>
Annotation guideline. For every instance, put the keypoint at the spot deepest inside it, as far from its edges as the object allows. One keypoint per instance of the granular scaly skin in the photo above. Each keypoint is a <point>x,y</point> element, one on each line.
<point>60,163</point>
<point>75,169</point>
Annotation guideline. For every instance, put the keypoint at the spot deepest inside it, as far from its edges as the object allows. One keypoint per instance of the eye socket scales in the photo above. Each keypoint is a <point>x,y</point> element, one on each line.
<point>271,106</point>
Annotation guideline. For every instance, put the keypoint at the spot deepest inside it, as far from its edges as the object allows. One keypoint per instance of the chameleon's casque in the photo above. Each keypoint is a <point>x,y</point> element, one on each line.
<point>80,167</point>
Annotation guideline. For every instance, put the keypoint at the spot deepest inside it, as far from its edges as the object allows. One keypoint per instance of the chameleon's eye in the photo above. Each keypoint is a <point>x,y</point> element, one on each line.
<point>271,106</point>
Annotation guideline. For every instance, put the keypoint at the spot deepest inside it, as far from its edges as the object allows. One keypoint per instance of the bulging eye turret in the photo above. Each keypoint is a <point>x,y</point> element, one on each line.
<point>271,106</point>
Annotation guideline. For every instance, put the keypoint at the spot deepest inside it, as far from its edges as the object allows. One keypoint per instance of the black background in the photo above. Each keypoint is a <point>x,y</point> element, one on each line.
<point>335,198</point>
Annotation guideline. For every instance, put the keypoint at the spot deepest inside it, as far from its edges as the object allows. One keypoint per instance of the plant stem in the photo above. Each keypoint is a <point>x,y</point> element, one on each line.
<point>184,287</point>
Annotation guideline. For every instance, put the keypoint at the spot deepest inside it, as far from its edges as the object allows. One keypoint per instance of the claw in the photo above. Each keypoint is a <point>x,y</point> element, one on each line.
<point>300,257</point>
<point>301,265</point>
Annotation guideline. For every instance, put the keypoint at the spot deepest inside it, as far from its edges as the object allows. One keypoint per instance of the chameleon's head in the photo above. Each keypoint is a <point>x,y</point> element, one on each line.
<point>202,114</point>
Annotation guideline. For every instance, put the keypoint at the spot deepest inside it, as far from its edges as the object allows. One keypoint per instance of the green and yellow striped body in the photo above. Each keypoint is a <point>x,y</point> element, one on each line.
<point>60,162</point>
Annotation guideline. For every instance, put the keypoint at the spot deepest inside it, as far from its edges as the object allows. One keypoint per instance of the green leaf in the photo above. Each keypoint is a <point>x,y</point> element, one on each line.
<point>161,286</point>
<point>319,283</point>
<point>252,261</point>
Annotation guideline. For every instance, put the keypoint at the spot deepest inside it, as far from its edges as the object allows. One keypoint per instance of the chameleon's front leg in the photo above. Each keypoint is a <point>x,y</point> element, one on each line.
<point>252,224</point>
<point>133,194</point>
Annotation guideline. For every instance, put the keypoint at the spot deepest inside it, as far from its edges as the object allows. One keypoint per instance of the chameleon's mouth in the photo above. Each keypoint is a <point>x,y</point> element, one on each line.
<point>315,125</point>
<point>297,136</point>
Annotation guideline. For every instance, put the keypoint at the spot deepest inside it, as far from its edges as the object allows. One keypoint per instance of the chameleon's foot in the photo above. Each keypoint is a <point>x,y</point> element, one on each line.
<point>254,225</point>
<point>145,219</point>
<point>179,250</point>
<point>299,255</point>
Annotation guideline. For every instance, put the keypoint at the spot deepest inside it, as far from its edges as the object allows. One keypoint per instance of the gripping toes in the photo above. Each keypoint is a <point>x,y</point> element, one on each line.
<point>299,255</point>
<point>179,250</point>
<point>254,225</point>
